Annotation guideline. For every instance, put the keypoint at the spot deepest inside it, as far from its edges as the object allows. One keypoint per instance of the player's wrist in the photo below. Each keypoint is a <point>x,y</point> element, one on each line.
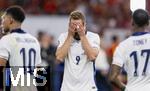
<point>82,36</point>
<point>70,37</point>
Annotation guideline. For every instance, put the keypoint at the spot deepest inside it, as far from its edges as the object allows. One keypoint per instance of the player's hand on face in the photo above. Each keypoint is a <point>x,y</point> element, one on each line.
<point>80,29</point>
<point>71,29</point>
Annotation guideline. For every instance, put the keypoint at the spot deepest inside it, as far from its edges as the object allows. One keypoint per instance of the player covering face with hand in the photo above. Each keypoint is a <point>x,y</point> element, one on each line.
<point>78,48</point>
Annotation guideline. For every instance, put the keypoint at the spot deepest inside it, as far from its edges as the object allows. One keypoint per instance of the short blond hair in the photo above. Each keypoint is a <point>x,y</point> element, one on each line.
<point>76,15</point>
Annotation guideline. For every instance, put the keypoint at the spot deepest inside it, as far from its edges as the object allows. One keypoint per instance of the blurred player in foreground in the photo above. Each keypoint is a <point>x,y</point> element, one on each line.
<point>17,47</point>
<point>78,48</point>
<point>134,54</point>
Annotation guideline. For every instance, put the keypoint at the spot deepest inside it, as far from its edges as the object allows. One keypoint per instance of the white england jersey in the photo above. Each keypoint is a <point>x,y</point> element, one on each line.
<point>21,50</point>
<point>79,70</point>
<point>134,54</point>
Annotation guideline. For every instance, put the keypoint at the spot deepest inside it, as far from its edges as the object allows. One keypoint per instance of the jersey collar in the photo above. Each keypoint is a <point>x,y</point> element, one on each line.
<point>139,33</point>
<point>17,31</point>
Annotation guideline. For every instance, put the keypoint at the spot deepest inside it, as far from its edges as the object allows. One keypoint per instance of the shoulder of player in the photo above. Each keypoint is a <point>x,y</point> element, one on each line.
<point>63,35</point>
<point>147,35</point>
<point>33,37</point>
<point>6,37</point>
<point>92,35</point>
<point>123,44</point>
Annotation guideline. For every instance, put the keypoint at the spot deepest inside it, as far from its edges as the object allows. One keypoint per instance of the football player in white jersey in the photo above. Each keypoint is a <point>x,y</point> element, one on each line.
<point>78,48</point>
<point>19,48</point>
<point>134,54</point>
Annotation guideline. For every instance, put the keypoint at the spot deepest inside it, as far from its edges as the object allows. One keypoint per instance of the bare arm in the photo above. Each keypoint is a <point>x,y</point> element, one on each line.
<point>2,63</point>
<point>113,76</point>
<point>89,51</point>
<point>62,51</point>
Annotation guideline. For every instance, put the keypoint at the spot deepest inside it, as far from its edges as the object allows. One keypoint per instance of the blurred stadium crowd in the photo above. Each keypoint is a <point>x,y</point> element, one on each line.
<point>100,14</point>
<point>105,13</point>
